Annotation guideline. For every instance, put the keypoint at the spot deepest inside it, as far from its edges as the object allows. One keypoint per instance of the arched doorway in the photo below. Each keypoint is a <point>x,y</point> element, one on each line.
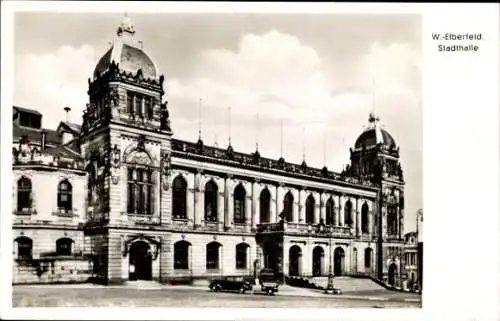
<point>295,254</point>
<point>392,274</point>
<point>338,261</point>
<point>140,261</point>
<point>318,259</point>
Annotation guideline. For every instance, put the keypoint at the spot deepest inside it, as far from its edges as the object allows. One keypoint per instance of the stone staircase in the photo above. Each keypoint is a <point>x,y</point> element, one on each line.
<point>347,283</point>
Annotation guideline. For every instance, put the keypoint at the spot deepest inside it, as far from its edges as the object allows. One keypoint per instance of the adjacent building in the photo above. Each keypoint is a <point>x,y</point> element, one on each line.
<point>119,198</point>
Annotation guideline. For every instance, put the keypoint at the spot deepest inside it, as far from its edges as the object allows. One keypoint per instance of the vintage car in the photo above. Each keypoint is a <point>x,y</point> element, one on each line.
<point>230,283</point>
<point>268,280</point>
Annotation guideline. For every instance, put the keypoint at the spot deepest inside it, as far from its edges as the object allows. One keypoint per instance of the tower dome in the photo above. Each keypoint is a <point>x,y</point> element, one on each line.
<point>374,135</point>
<point>127,52</point>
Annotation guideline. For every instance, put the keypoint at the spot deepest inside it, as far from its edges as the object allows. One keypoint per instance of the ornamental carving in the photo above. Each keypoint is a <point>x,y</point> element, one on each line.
<point>166,168</point>
<point>164,117</point>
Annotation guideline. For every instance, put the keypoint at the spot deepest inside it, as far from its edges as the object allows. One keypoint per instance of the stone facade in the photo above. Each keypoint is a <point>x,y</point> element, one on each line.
<point>149,206</point>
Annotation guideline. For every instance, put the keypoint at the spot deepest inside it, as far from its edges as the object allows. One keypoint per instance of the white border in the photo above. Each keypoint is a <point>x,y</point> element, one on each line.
<point>461,158</point>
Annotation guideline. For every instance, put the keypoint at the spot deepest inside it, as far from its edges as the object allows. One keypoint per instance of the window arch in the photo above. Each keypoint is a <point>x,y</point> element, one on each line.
<point>65,196</point>
<point>265,202</point>
<point>364,218</point>
<point>392,220</point>
<point>368,257</point>
<point>24,194</point>
<point>211,201</point>
<point>242,256</point>
<point>288,207</point>
<point>181,255</point>
<point>140,190</point>
<point>310,209</point>
<point>179,190</point>
<point>239,204</point>
<point>330,214</point>
<point>64,246</point>
<point>348,213</point>
<point>213,256</point>
<point>24,248</point>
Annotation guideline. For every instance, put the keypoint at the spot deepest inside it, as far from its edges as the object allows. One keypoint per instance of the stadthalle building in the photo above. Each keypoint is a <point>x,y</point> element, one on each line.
<point>119,198</point>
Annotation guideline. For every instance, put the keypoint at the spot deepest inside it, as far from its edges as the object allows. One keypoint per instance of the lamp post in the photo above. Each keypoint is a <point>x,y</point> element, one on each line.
<point>330,289</point>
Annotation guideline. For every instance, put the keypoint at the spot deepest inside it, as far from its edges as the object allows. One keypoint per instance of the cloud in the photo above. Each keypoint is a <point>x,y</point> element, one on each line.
<point>48,82</point>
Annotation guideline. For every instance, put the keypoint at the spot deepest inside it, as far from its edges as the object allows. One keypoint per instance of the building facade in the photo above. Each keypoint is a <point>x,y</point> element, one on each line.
<point>126,200</point>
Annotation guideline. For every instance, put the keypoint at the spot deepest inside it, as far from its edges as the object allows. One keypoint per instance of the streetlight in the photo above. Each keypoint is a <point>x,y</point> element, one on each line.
<point>330,289</point>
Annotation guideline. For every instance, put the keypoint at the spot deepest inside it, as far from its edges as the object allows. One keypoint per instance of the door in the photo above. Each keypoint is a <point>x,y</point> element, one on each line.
<point>392,274</point>
<point>140,261</point>
<point>338,268</point>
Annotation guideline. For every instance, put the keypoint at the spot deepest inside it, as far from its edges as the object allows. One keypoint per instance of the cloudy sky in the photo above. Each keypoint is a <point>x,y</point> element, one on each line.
<point>319,75</point>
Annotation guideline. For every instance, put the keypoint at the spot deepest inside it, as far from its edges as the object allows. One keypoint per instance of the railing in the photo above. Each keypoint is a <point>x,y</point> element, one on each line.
<point>24,212</point>
<point>64,213</point>
<point>144,219</point>
<point>341,231</point>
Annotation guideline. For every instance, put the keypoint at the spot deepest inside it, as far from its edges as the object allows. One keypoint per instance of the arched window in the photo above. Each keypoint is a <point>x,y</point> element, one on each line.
<point>24,248</point>
<point>211,201</point>
<point>64,196</point>
<point>63,246</point>
<point>355,259</point>
<point>392,220</point>
<point>348,213</point>
<point>181,255</point>
<point>288,207</point>
<point>241,256</point>
<point>310,210</point>
<point>239,204</point>
<point>213,255</point>
<point>24,195</point>
<point>265,198</point>
<point>330,214</point>
<point>140,191</point>
<point>368,257</point>
<point>364,218</point>
<point>179,191</point>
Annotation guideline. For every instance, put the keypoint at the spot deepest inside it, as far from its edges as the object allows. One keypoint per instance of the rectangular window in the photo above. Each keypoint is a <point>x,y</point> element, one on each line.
<point>130,103</point>
<point>149,107</point>
<point>138,105</point>
<point>140,191</point>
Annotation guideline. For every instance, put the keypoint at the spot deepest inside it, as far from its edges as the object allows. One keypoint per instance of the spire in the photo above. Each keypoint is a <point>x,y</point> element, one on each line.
<point>199,118</point>
<point>281,138</point>
<point>229,124</point>
<point>216,143</point>
<point>373,119</point>
<point>324,149</point>
<point>303,144</point>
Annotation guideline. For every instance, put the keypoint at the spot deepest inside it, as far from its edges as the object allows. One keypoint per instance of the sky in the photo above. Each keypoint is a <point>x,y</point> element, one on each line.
<point>312,79</point>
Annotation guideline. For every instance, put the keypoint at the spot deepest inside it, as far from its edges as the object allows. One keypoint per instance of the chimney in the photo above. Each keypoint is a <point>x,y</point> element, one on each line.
<point>67,110</point>
<point>44,137</point>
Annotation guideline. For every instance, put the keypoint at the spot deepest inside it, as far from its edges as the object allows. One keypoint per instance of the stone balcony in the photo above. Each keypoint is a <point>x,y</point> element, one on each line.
<point>308,229</point>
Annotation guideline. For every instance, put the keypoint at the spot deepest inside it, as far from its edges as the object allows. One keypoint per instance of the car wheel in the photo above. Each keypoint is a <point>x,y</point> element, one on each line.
<point>243,290</point>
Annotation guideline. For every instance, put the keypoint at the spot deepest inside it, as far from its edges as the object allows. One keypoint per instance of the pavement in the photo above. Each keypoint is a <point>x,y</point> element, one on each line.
<point>284,290</point>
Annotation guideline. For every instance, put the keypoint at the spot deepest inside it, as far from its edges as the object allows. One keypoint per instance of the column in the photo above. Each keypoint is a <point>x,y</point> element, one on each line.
<point>198,200</point>
<point>401,222</point>
<point>353,214</point>
<point>341,210</point>
<point>248,213</point>
<point>272,210</point>
<point>370,220</point>
<point>322,209</point>
<point>295,213</point>
<point>255,207</point>
<point>190,205</point>
<point>302,207</point>
<point>358,213</point>
<point>220,205</point>
<point>229,203</point>
<point>279,200</point>
<point>317,201</point>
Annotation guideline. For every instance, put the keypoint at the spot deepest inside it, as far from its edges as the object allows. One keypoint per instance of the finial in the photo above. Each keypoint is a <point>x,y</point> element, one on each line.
<point>324,149</point>
<point>303,144</point>
<point>67,110</point>
<point>199,118</point>
<point>126,25</point>
<point>216,144</point>
<point>257,129</point>
<point>229,124</point>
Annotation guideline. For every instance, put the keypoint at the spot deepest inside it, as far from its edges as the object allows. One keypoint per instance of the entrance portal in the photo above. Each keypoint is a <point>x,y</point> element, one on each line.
<point>338,264</point>
<point>392,274</point>
<point>318,257</point>
<point>294,256</point>
<point>140,261</point>
<point>271,256</point>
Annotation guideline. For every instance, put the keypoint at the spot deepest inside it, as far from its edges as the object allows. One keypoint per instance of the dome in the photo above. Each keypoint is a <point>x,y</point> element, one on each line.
<point>127,53</point>
<point>374,135</point>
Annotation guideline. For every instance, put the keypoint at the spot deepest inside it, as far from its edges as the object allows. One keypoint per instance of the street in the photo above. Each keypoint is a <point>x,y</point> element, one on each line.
<point>173,296</point>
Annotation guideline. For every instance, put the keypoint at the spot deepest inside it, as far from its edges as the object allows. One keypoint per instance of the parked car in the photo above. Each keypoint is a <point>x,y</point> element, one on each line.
<point>230,283</point>
<point>268,281</point>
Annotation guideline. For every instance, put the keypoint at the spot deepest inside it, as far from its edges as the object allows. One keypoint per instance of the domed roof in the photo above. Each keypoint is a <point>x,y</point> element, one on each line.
<point>127,53</point>
<point>374,135</point>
